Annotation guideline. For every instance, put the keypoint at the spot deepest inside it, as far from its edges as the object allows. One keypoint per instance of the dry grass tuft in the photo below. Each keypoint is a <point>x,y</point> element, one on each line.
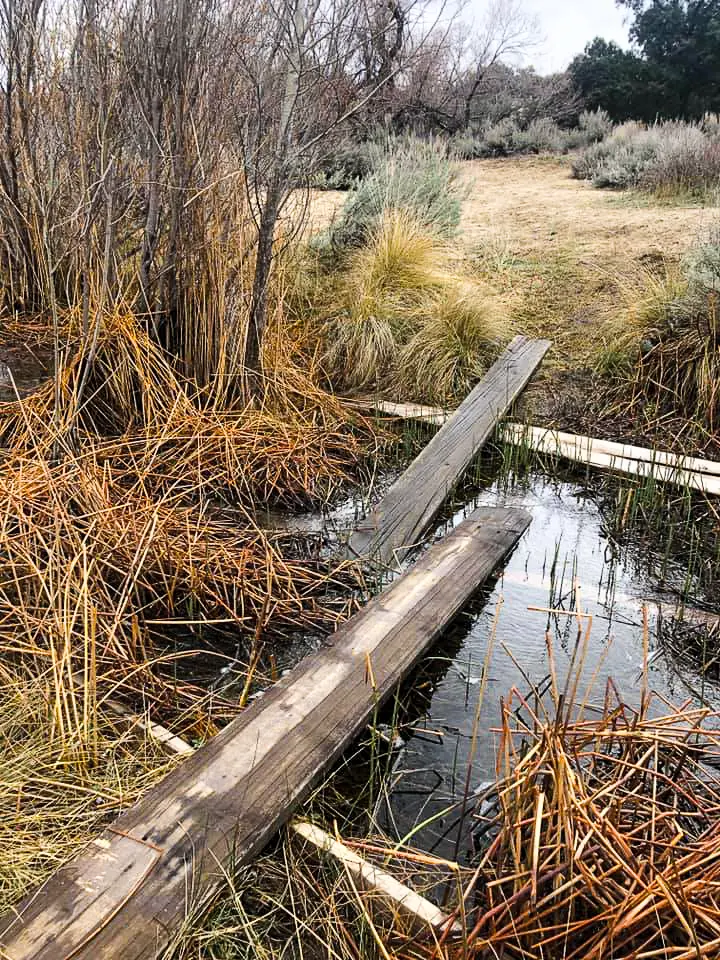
<point>454,347</point>
<point>52,801</point>
<point>399,309</point>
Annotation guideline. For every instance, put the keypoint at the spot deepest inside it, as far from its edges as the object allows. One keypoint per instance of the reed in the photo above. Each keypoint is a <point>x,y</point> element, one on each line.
<point>52,804</point>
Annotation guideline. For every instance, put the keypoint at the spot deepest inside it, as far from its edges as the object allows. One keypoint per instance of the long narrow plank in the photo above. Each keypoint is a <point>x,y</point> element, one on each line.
<point>406,411</point>
<point>401,518</point>
<point>520,433</point>
<point>664,467</point>
<point>128,892</point>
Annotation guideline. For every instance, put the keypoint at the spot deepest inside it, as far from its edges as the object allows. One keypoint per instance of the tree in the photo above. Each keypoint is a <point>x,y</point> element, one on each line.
<point>672,71</point>
<point>680,40</point>
<point>617,80</point>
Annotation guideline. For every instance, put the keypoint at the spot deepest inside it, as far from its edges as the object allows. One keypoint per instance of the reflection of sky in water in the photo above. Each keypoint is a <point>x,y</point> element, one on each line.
<point>565,543</point>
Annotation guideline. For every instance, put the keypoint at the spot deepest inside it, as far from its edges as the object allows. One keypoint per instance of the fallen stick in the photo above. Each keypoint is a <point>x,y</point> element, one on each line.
<point>402,899</point>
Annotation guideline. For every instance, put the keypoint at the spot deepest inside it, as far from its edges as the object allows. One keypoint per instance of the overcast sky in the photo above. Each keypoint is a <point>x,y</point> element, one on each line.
<point>567,25</point>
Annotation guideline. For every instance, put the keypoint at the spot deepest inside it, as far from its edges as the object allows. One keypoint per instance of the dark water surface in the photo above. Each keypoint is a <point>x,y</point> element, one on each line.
<point>568,560</point>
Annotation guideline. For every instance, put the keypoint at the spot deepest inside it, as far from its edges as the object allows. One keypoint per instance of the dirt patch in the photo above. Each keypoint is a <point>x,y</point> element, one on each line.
<point>534,205</point>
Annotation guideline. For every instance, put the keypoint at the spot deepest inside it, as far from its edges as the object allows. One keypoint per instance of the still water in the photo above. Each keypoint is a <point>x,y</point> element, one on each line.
<point>568,561</point>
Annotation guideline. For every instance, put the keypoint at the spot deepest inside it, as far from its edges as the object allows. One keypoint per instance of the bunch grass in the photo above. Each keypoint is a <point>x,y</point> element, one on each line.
<point>400,316</point>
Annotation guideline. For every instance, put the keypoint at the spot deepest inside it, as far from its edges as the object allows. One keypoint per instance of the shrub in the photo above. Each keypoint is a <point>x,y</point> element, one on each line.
<point>703,266</point>
<point>595,125</point>
<point>415,178</point>
<point>542,135</point>
<point>670,158</point>
<point>346,164</point>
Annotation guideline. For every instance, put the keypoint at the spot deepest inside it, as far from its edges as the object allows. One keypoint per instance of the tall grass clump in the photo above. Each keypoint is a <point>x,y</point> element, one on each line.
<point>52,804</point>
<point>670,158</point>
<point>668,380</point>
<point>414,178</point>
<point>394,315</point>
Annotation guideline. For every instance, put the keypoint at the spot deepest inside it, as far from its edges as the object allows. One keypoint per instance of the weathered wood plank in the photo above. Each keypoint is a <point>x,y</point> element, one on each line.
<point>623,457</point>
<point>407,411</point>
<point>398,522</point>
<point>703,475</point>
<point>126,893</point>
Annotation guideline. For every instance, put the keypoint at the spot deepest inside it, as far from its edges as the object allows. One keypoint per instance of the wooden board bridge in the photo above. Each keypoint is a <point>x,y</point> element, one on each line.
<point>129,891</point>
<point>407,509</point>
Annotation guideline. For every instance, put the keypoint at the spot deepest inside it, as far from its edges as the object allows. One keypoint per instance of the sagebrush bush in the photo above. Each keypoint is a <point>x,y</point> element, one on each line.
<point>595,125</point>
<point>346,164</point>
<point>414,177</point>
<point>542,135</point>
<point>672,157</point>
<point>703,265</point>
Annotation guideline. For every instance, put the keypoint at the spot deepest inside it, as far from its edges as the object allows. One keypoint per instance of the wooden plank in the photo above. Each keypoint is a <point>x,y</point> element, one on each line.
<point>126,894</point>
<point>406,411</point>
<point>401,518</point>
<point>521,433</point>
<point>664,467</point>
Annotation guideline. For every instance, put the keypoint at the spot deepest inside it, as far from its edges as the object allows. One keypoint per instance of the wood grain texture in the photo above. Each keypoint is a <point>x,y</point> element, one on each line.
<point>125,895</point>
<point>703,475</point>
<point>398,522</point>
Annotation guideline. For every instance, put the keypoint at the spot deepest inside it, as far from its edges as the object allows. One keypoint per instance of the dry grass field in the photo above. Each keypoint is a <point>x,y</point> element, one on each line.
<point>564,260</point>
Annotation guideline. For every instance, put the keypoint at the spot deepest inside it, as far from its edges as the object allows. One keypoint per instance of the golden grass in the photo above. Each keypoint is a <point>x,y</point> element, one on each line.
<point>110,532</point>
<point>391,301</point>
<point>452,349</point>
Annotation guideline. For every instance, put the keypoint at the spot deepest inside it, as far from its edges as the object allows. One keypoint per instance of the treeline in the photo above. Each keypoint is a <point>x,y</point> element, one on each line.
<point>673,70</point>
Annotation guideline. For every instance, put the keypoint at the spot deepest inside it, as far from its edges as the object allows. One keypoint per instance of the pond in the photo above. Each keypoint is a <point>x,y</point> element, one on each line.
<point>586,551</point>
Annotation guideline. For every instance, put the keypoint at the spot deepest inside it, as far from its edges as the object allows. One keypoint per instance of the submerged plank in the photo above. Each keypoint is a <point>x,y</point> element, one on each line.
<point>127,893</point>
<point>703,475</point>
<point>401,518</point>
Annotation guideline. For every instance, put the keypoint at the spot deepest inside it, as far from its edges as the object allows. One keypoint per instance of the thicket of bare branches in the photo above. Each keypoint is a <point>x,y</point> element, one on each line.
<point>149,147</point>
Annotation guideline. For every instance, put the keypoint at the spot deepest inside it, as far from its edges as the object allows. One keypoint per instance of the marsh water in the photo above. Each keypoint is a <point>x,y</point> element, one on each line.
<point>593,547</point>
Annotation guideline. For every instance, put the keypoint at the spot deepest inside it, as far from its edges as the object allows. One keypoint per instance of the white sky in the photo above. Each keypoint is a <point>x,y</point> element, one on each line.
<point>565,26</point>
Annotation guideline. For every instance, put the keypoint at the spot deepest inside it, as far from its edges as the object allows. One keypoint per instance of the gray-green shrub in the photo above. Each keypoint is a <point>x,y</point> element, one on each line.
<point>542,135</point>
<point>347,163</point>
<point>669,157</point>
<point>414,177</point>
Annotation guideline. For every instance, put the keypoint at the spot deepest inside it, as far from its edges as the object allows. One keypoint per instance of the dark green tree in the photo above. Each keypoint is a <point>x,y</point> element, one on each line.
<point>617,80</point>
<point>672,71</point>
